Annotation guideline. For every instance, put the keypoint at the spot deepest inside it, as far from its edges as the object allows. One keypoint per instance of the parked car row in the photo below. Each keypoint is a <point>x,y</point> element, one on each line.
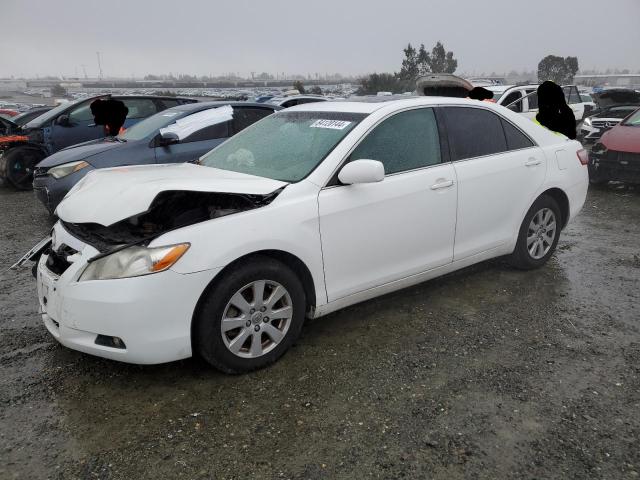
<point>24,146</point>
<point>34,136</point>
<point>147,142</point>
<point>523,99</point>
<point>306,211</point>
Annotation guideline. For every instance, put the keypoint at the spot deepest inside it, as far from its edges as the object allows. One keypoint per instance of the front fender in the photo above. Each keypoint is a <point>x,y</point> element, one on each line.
<point>290,227</point>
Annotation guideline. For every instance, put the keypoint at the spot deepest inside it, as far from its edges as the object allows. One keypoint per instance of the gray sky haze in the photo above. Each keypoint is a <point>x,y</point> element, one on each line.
<point>137,37</point>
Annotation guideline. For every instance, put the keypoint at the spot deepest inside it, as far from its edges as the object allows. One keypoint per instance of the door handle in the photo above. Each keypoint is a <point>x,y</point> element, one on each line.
<point>442,184</point>
<point>532,162</point>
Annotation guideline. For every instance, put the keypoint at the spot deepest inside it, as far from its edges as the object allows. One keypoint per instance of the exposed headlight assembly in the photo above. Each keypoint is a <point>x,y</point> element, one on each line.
<point>587,121</point>
<point>67,169</point>
<point>134,262</point>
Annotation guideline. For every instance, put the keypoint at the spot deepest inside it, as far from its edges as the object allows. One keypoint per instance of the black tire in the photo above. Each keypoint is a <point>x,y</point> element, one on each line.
<point>521,256</point>
<point>595,179</point>
<point>21,161</point>
<point>208,337</point>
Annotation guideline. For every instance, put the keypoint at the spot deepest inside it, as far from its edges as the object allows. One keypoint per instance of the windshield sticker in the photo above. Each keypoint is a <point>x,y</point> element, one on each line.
<point>332,124</point>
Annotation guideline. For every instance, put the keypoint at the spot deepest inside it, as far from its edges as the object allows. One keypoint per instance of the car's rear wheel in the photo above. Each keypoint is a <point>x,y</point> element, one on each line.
<point>21,162</point>
<point>250,317</point>
<point>538,235</point>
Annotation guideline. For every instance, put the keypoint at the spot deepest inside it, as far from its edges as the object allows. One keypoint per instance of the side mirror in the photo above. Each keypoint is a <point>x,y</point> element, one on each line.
<point>362,171</point>
<point>63,120</point>
<point>168,138</point>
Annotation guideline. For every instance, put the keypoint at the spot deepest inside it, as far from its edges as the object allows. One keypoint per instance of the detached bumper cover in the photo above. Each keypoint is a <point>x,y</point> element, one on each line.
<point>152,314</point>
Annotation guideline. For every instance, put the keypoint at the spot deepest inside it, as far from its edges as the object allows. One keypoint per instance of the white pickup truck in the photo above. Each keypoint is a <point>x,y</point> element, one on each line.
<point>524,99</point>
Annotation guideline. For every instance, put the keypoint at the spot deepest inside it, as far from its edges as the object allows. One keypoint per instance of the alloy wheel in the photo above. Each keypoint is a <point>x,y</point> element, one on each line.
<point>541,233</point>
<point>256,318</point>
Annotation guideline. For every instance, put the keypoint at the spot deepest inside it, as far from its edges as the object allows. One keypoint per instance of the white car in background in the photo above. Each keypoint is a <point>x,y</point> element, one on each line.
<point>523,99</point>
<point>307,211</point>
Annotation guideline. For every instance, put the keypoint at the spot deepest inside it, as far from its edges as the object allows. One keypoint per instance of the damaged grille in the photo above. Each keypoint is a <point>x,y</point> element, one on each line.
<point>170,210</point>
<point>57,260</point>
<point>40,171</point>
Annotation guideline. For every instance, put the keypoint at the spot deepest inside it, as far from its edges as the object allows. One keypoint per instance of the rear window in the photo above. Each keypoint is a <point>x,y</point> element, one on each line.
<point>515,138</point>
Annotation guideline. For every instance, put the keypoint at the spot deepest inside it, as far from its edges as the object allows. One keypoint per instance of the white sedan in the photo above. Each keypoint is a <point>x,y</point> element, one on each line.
<point>306,212</point>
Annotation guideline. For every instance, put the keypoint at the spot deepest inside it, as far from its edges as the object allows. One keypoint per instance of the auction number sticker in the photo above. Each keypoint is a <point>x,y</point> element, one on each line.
<point>332,124</point>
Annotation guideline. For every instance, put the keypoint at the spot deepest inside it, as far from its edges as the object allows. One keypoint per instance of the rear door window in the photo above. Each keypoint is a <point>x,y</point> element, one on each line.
<point>473,132</point>
<point>139,107</point>
<point>406,141</point>
<point>512,97</point>
<point>81,114</point>
<point>571,94</point>
<point>533,99</point>
<point>244,117</point>
<point>212,132</point>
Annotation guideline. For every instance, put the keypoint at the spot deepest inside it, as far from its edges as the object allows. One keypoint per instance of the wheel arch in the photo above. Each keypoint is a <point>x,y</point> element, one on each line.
<point>295,263</point>
<point>562,200</point>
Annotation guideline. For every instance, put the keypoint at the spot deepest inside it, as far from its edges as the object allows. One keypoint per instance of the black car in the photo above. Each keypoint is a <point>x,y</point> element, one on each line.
<point>613,106</point>
<point>65,125</point>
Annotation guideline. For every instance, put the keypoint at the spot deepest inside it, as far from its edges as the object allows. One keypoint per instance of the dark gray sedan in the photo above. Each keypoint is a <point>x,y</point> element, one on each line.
<point>179,134</point>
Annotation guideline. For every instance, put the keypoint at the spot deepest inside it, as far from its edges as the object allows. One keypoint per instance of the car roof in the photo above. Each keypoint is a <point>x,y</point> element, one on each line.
<point>370,107</point>
<point>199,106</point>
<point>498,88</point>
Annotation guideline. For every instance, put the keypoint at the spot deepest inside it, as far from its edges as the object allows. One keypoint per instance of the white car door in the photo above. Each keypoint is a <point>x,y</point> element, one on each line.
<point>499,170</point>
<point>376,233</point>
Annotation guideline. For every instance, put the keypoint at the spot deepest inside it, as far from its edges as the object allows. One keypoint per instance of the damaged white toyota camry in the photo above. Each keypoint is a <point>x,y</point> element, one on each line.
<point>308,211</point>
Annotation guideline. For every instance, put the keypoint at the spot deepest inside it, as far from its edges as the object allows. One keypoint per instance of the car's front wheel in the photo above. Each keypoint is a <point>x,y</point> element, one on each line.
<point>251,316</point>
<point>538,235</point>
<point>21,162</point>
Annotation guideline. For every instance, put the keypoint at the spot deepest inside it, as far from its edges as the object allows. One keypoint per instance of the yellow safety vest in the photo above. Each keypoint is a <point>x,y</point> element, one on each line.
<point>535,120</point>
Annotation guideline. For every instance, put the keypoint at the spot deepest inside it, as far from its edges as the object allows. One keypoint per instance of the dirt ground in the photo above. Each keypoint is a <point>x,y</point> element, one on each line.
<point>486,373</point>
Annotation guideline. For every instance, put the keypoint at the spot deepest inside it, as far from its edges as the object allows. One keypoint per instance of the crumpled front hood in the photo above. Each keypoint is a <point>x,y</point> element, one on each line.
<point>106,196</point>
<point>622,139</point>
<point>80,152</point>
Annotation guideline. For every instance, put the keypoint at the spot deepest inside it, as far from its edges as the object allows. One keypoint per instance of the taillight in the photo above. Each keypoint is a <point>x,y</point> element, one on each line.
<point>583,156</point>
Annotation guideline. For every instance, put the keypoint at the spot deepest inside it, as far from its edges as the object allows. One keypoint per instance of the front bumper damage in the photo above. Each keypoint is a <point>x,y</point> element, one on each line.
<point>149,315</point>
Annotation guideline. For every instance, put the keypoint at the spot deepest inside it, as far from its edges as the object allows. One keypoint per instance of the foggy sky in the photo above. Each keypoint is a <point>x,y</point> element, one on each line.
<point>136,37</point>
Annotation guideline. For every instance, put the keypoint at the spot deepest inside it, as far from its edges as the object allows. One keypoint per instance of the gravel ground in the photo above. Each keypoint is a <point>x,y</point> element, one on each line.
<point>486,373</point>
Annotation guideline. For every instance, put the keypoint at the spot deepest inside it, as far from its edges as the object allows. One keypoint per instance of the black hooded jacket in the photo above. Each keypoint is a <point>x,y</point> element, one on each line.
<point>554,113</point>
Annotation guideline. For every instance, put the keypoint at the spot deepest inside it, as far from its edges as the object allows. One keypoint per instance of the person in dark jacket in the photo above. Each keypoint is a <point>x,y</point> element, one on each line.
<point>110,113</point>
<point>553,111</point>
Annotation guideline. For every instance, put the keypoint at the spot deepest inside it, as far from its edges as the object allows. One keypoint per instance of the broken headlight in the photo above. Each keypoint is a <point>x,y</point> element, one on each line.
<point>67,169</point>
<point>134,262</point>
